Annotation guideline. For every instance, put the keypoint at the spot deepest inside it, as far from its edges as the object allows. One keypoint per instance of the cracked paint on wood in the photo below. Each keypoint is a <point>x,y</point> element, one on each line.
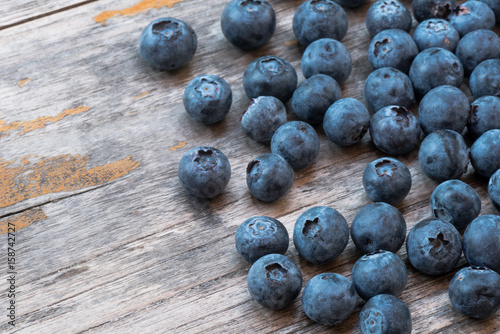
<point>22,220</point>
<point>141,6</point>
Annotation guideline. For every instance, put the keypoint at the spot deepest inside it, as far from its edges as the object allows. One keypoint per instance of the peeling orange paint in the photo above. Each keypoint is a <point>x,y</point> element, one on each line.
<point>141,95</point>
<point>40,122</point>
<point>288,43</point>
<point>180,145</point>
<point>141,6</point>
<point>23,82</point>
<point>52,175</point>
<point>135,212</point>
<point>21,220</point>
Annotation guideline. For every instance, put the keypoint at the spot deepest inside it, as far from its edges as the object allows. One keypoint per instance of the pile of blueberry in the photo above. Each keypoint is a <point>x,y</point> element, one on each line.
<point>449,43</point>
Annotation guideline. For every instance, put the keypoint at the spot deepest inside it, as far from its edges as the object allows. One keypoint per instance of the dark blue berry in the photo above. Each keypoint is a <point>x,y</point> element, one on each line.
<point>387,14</point>
<point>204,171</point>
<point>472,15</point>
<point>320,234</point>
<point>385,314</point>
<point>494,189</point>
<point>434,247</point>
<point>316,19</point>
<point>485,153</point>
<point>263,117</point>
<point>274,281</point>
<point>313,97</point>
<point>167,44</point>
<point>495,5</point>
<point>476,47</point>
<point>392,48</point>
<point>259,236</point>
<point>248,24</point>
<point>269,177</point>
<point>437,33</point>
<point>485,79</point>
<point>482,242</point>
<point>346,121</point>
<point>297,142</point>
<point>428,9</point>
<point>484,115</point>
<point>270,76</point>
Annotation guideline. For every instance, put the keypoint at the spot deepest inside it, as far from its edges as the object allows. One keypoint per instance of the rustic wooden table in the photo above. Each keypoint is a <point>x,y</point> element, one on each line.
<point>106,239</point>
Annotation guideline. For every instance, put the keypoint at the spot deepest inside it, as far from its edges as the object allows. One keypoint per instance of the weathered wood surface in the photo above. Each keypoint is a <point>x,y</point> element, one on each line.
<point>91,138</point>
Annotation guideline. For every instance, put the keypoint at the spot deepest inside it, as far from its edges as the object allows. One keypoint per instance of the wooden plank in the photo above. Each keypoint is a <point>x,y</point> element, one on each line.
<point>91,139</point>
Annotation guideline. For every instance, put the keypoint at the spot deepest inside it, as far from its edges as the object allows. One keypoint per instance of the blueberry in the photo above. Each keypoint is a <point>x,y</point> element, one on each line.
<point>385,314</point>
<point>269,177</point>
<point>494,189</point>
<point>472,15</point>
<point>476,47</point>
<point>485,79</point>
<point>392,48</point>
<point>495,5</point>
<point>395,130</point>
<point>387,180</point>
<point>455,202</point>
<point>443,107</point>
<point>316,19</point>
<point>346,121</point>
<point>263,117</point>
<point>313,97</point>
<point>274,281</point>
<point>435,67</point>
<point>207,98</point>
<point>327,56</point>
<point>270,76</point>
<point>388,86</point>
<point>474,291</point>
<point>485,153</point>
<point>434,247</point>
<point>443,155</point>
<point>379,272</point>
<point>427,9</point>
<point>204,171</point>
<point>437,33</point>
<point>297,142</point>
<point>259,236</point>
<point>320,234</point>
<point>387,14</point>
<point>350,3</point>
<point>329,298</point>
<point>378,226</point>
<point>167,44</point>
<point>484,115</point>
<point>248,24</point>
<point>482,242</point>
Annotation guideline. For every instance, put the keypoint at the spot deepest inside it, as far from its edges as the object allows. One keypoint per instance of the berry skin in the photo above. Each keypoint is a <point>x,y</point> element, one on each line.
<point>208,98</point>
<point>259,236</point>
<point>395,130</point>
<point>167,44</point>
<point>387,180</point>
<point>270,76</point>
<point>494,189</point>
<point>263,117</point>
<point>388,86</point>
<point>392,48</point>
<point>476,47</point>
<point>485,79</point>
<point>443,107</point>
<point>428,9</point>
<point>474,291</point>
<point>297,142</point>
<point>443,155</point>
<point>455,202</point>
<point>495,5</point>
<point>472,15</point>
<point>387,14</point>
<point>436,33</point>
<point>485,153</point>
<point>484,115</point>
<point>248,24</point>
<point>433,247</point>
<point>482,242</point>
<point>204,171</point>
<point>274,281</point>
<point>385,314</point>
<point>327,56</point>
<point>350,3</point>
<point>316,19</point>
<point>435,67</point>
<point>329,298</point>
<point>320,234</point>
<point>380,272</point>
<point>313,97</point>
<point>346,121</point>
<point>378,226</point>
<point>269,177</point>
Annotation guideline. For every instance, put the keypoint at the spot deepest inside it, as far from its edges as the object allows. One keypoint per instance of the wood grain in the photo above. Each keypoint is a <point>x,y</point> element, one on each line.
<point>136,253</point>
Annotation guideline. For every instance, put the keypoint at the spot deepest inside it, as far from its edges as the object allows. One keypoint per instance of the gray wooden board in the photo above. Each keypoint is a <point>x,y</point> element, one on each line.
<point>134,252</point>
